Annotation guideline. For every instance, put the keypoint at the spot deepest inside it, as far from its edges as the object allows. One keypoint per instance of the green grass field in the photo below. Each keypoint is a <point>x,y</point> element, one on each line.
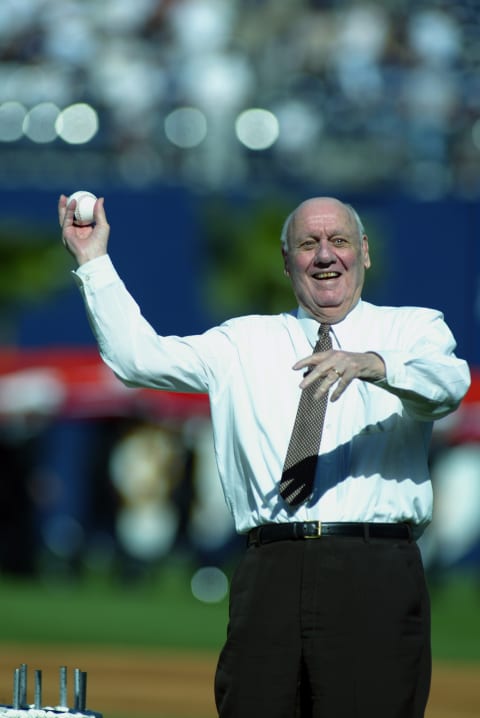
<point>162,612</point>
<point>456,619</point>
<point>156,612</point>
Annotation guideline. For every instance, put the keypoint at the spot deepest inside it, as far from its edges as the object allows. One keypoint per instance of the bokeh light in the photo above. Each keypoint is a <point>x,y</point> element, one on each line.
<point>39,123</point>
<point>257,129</point>
<point>341,80</point>
<point>186,127</point>
<point>12,116</point>
<point>209,584</point>
<point>77,124</point>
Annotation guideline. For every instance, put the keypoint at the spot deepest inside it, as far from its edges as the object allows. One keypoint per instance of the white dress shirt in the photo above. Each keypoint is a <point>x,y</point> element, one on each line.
<point>373,455</point>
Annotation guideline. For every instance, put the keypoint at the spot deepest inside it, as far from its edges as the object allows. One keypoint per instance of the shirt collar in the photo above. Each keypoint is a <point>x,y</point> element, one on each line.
<point>310,325</point>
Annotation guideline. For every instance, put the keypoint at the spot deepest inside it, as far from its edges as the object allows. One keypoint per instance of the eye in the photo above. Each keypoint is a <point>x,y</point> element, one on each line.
<point>340,241</point>
<point>308,244</point>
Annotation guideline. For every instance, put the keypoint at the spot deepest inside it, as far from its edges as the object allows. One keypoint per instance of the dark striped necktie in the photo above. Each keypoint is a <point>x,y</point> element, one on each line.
<point>298,475</point>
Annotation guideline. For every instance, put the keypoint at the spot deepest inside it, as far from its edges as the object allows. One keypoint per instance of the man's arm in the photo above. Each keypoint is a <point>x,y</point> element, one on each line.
<point>127,342</point>
<point>423,372</point>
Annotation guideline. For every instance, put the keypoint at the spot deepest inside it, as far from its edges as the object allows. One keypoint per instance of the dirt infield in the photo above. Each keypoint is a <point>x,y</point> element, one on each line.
<point>143,684</point>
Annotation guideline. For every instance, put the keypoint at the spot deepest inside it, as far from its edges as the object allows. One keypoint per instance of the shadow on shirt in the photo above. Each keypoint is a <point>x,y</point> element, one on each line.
<point>394,449</point>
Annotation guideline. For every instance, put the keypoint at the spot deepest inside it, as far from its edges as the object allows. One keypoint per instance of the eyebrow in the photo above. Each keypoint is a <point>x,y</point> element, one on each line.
<point>334,233</point>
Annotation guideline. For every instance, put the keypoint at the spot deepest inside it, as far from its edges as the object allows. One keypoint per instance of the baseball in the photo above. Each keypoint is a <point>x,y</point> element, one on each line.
<point>84,209</point>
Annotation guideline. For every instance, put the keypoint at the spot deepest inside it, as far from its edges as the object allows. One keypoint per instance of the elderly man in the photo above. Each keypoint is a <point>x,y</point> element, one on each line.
<point>322,419</point>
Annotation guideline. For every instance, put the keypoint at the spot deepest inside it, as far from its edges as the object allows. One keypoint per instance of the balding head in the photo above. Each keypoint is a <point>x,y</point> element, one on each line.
<point>348,208</point>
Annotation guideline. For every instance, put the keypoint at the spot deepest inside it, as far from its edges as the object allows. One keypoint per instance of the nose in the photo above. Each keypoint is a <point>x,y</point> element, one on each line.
<point>324,253</point>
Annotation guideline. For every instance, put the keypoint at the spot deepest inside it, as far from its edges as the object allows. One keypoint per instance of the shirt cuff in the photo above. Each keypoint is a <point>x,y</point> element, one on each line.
<point>396,374</point>
<point>96,274</point>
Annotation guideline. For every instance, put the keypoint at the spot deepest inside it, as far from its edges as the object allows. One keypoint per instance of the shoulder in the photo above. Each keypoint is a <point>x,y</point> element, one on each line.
<point>399,314</point>
<point>398,326</point>
<point>253,323</point>
<point>263,325</point>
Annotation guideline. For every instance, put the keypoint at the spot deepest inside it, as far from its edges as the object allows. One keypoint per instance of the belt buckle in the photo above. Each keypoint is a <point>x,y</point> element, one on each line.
<point>318,530</point>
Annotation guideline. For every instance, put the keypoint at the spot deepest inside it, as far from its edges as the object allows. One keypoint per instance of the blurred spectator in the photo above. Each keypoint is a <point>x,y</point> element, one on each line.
<point>345,79</point>
<point>145,467</point>
<point>454,536</point>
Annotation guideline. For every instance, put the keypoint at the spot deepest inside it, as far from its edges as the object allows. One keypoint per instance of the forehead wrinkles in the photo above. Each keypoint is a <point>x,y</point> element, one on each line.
<point>328,222</point>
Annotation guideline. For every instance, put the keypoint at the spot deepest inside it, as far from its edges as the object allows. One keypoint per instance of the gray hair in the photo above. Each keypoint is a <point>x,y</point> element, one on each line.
<point>286,225</point>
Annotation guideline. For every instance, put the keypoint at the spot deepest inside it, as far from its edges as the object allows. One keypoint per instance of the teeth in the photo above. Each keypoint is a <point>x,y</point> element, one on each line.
<point>327,275</point>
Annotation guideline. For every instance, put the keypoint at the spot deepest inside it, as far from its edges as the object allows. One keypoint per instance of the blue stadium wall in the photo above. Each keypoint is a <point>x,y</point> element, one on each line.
<point>430,255</point>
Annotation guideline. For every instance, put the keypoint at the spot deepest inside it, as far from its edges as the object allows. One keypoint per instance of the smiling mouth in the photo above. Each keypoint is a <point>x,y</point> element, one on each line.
<point>326,275</point>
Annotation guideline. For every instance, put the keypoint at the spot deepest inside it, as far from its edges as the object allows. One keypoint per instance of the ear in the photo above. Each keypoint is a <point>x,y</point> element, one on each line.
<point>366,253</point>
<point>286,271</point>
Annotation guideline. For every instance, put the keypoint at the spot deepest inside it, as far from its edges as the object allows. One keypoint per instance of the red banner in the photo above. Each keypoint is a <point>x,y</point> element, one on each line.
<point>76,383</point>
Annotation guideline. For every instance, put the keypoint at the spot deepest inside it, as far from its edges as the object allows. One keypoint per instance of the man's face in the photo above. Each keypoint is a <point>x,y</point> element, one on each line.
<point>326,259</point>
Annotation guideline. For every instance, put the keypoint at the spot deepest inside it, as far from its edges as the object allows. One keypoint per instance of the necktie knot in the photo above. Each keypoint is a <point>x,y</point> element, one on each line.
<point>324,341</point>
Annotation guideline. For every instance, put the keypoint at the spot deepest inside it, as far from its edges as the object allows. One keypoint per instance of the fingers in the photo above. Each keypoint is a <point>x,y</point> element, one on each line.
<point>83,241</point>
<point>62,205</point>
<point>340,368</point>
<point>66,213</point>
<point>99,215</point>
<point>342,384</point>
<point>326,380</point>
<point>319,366</point>
<point>327,369</point>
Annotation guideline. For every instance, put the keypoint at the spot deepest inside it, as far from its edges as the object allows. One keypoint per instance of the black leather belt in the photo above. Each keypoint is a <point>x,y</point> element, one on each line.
<point>316,529</point>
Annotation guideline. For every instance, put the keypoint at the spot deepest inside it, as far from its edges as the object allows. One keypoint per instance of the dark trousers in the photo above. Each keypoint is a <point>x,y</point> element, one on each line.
<point>333,627</point>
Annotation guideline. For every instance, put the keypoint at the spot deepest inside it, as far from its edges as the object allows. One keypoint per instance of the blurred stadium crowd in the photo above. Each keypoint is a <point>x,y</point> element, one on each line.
<point>352,95</point>
<point>119,484</point>
<point>346,93</point>
<point>115,485</point>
